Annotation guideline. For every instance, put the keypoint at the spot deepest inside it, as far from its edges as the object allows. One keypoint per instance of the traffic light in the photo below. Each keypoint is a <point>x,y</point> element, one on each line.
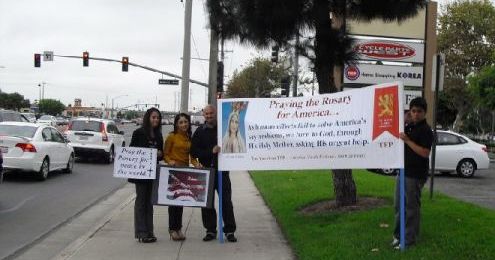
<point>275,54</point>
<point>37,60</point>
<point>220,76</point>
<point>125,63</point>
<point>285,85</point>
<point>85,59</point>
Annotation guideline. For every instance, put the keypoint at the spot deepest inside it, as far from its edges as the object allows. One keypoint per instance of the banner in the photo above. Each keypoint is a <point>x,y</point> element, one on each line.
<point>183,186</point>
<point>346,130</point>
<point>135,163</point>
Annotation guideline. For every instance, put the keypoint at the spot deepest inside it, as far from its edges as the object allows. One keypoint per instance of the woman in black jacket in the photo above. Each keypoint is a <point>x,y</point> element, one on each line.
<point>147,136</point>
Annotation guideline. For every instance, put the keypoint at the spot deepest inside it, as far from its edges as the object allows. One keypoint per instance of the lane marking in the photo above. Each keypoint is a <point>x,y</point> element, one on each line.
<point>16,207</point>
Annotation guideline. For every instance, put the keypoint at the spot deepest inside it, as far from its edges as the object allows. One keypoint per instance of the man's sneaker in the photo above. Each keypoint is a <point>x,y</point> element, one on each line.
<point>395,242</point>
<point>231,237</point>
<point>210,236</point>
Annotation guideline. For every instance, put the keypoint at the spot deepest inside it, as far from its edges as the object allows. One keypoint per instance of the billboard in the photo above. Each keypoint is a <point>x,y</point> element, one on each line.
<point>387,50</point>
<point>378,74</point>
<point>412,28</point>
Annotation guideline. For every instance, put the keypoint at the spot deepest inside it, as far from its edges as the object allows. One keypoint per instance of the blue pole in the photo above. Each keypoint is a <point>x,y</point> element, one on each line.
<point>402,211</point>
<point>220,206</point>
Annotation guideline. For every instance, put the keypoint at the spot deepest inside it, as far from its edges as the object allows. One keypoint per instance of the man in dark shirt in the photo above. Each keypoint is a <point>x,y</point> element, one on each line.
<point>204,147</point>
<point>418,138</point>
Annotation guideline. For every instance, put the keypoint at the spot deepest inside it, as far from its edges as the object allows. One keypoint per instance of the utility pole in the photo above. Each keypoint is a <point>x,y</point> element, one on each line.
<point>212,73</point>
<point>184,105</point>
<point>296,67</point>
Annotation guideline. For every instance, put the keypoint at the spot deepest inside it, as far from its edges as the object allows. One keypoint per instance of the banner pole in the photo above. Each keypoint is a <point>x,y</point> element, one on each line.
<point>220,207</point>
<point>402,211</point>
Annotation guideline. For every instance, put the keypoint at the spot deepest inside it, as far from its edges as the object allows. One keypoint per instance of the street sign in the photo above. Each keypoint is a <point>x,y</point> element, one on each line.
<point>168,81</point>
<point>48,56</point>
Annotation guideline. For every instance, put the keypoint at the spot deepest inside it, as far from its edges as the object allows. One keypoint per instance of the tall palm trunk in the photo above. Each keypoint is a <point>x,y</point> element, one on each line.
<point>343,182</point>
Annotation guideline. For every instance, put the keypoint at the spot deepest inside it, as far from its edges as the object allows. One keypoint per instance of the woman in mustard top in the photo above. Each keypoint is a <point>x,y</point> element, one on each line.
<point>176,153</point>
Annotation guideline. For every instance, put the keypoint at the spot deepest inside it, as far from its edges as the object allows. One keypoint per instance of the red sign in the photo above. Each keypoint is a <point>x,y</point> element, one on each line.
<point>352,72</point>
<point>386,111</point>
<point>385,50</point>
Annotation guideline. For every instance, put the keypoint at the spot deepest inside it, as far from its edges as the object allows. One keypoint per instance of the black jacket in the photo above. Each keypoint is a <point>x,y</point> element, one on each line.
<point>203,141</point>
<point>140,139</point>
<point>417,166</point>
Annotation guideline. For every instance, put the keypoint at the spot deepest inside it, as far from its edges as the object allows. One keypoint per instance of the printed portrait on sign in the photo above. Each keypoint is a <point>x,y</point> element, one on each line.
<point>233,127</point>
<point>188,187</point>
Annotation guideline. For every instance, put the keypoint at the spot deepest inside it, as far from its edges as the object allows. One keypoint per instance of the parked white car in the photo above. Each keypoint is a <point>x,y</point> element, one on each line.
<point>34,148</point>
<point>456,152</point>
<point>47,120</point>
<point>92,137</point>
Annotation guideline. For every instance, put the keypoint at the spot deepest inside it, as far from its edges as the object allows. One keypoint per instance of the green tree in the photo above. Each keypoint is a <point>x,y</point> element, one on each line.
<point>482,88</point>
<point>466,35</point>
<point>259,78</point>
<point>14,101</point>
<point>264,22</point>
<point>51,107</point>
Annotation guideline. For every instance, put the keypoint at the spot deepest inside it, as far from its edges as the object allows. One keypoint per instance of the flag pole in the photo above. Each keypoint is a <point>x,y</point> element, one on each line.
<point>402,210</point>
<point>220,206</point>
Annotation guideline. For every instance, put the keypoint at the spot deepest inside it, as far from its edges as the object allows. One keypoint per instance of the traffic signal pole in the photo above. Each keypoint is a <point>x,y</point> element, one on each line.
<point>137,65</point>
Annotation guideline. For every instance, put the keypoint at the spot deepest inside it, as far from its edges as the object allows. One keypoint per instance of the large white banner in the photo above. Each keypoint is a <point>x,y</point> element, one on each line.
<point>346,130</point>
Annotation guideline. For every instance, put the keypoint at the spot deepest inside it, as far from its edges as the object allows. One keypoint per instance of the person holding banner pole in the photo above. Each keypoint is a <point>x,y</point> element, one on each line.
<point>147,136</point>
<point>176,153</point>
<point>205,148</point>
<point>418,138</point>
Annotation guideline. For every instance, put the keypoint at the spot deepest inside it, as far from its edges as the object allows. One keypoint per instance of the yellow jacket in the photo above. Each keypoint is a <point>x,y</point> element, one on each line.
<point>177,148</point>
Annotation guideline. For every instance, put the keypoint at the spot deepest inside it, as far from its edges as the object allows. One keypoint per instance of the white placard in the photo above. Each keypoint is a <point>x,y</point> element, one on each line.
<point>387,50</point>
<point>135,163</point>
<point>378,74</point>
<point>186,187</point>
<point>406,98</point>
<point>347,130</point>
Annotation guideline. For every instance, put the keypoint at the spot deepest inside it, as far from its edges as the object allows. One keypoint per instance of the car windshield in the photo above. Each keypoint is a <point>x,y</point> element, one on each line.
<point>10,116</point>
<point>17,130</point>
<point>46,117</point>
<point>29,115</point>
<point>80,125</point>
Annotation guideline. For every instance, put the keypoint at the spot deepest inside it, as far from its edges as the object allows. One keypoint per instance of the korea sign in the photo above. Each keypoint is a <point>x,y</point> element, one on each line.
<point>378,74</point>
<point>383,50</point>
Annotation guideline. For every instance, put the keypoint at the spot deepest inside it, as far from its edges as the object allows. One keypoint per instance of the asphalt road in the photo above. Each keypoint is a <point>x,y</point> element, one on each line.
<point>480,189</point>
<point>29,209</point>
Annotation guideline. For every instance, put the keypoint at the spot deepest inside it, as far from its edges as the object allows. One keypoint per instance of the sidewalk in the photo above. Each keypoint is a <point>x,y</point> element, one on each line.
<point>257,231</point>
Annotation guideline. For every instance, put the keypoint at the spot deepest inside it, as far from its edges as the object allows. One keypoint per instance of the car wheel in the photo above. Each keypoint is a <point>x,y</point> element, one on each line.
<point>110,155</point>
<point>44,170</point>
<point>70,164</point>
<point>466,168</point>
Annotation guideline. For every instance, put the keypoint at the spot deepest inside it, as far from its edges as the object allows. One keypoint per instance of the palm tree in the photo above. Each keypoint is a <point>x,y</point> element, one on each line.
<point>266,22</point>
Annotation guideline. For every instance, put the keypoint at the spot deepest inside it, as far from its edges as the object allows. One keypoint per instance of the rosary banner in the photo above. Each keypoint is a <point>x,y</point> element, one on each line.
<point>355,129</point>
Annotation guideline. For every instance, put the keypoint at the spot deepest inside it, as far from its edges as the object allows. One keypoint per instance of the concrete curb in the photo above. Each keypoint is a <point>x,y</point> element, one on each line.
<point>73,247</point>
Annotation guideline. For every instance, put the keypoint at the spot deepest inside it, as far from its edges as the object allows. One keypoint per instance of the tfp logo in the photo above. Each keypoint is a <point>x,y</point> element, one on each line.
<point>352,72</point>
<point>384,50</point>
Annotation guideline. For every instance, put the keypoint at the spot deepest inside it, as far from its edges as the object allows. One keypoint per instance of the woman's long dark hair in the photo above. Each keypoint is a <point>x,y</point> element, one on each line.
<point>147,123</point>
<point>176,123</point>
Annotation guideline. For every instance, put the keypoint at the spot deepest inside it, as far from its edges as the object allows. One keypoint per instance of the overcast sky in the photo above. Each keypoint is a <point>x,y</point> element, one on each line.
<point>149,32</point>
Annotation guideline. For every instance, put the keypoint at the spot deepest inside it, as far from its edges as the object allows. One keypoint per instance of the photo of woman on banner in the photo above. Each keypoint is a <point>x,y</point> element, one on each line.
<point>233,141</point>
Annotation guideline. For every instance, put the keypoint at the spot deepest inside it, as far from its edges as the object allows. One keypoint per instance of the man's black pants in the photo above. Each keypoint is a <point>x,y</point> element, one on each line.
<point>209,215</point>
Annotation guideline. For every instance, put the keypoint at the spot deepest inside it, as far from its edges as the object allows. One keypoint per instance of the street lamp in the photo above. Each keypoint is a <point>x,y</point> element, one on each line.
<point>111,112</point>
